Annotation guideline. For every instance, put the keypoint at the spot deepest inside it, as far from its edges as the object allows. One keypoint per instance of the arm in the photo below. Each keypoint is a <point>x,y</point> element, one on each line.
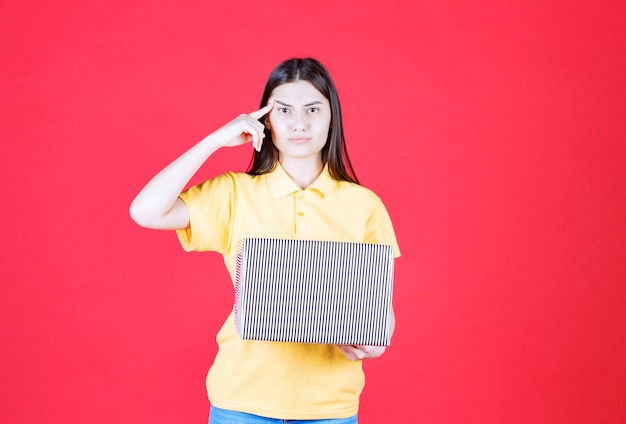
<point>359,352</point>
<point>158,206</point>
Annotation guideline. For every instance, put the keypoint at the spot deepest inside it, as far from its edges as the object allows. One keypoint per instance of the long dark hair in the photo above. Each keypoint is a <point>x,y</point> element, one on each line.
<point>334,152</point>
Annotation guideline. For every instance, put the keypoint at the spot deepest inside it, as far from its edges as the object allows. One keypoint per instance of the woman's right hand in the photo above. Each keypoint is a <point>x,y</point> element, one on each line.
<point>158,206</point>
<point>245,128</point>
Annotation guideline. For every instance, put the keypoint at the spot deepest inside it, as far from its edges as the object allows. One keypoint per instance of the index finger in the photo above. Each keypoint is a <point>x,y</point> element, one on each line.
<point>257,114</point>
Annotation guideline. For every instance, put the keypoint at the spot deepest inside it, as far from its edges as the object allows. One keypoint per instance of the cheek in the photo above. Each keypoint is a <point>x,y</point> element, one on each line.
<point>323,125</point>
<point>276,131</point>
<point>276,122</point>
<point>328,120</point>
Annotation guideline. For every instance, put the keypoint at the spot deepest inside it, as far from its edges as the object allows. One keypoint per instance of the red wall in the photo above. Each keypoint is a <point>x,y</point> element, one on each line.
<point>494,132</point>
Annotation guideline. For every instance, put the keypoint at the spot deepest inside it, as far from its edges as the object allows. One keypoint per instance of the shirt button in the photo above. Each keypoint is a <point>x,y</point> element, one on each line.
<point>301,213</point>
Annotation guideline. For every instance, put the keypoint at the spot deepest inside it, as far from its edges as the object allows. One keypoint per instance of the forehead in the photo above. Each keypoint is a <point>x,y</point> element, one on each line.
<point>297,92</point>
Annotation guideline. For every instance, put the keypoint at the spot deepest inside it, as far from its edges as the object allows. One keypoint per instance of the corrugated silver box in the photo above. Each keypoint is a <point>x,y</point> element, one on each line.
<point>314,291</point>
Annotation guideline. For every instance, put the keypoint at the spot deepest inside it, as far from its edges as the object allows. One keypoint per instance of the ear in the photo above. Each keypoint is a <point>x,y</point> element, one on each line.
<point>267,123</point>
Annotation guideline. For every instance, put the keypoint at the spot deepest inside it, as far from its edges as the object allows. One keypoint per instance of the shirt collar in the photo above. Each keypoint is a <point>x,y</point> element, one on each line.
<point>281,184</point>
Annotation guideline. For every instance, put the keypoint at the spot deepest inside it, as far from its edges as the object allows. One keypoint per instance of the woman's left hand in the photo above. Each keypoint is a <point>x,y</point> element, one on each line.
<point>359,352</point>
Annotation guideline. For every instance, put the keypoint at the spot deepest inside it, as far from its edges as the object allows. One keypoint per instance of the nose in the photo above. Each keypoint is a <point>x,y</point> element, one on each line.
<point>299,122</point>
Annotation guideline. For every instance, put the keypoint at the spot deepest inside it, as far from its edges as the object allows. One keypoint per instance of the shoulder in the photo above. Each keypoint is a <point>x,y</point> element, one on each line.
<point>356,191</point>
<point>229,178</point>
<point>219,186</point>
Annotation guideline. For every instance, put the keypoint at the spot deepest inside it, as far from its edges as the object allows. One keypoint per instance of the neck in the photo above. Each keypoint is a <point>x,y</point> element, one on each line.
<point>302,171</point>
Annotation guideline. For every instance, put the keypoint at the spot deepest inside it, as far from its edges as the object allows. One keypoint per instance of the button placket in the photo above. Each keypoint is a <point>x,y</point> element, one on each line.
<point>300,213</point>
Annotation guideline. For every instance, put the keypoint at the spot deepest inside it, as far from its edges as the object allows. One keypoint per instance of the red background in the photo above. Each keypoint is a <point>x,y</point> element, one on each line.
<point>494,132</point>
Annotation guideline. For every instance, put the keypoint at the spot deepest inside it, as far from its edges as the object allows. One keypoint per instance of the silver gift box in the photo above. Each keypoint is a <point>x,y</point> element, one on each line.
<point>314,291</point>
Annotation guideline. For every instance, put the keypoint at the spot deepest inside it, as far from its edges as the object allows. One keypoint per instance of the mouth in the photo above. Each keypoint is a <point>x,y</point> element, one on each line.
<point>299,140</point>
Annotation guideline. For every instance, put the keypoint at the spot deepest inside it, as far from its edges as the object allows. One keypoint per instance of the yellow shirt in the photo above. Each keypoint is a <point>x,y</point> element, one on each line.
<point>275,379</point>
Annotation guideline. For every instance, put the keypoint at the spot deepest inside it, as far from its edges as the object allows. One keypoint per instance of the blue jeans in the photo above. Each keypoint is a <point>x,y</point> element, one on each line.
<point>222,416</point>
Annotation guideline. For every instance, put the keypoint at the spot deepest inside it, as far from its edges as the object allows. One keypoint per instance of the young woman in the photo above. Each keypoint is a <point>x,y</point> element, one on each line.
<point>300,185</point>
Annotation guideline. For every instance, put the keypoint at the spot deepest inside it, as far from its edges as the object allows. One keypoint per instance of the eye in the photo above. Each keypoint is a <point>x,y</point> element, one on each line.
<point>314,109</point>
<point>283,110</point>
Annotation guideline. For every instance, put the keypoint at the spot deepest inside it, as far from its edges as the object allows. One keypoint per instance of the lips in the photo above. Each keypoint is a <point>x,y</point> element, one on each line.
<point>299,140</point>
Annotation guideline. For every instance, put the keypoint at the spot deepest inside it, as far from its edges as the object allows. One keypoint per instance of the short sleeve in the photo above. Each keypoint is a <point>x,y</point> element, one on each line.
<point>380,228</point>
<point>210,206</point>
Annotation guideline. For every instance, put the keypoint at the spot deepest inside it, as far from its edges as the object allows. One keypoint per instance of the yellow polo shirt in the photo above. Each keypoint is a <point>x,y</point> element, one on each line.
<point>275,379</point>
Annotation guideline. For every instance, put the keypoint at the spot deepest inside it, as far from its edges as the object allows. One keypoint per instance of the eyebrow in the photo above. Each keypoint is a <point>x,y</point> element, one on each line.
<point>316,102</point>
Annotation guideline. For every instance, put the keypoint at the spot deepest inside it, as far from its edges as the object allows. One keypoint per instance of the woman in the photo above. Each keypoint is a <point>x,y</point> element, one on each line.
<point>300,185</point>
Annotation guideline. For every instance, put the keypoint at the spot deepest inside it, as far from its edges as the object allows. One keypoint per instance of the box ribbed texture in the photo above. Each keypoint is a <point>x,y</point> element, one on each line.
<point>314,291</point>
